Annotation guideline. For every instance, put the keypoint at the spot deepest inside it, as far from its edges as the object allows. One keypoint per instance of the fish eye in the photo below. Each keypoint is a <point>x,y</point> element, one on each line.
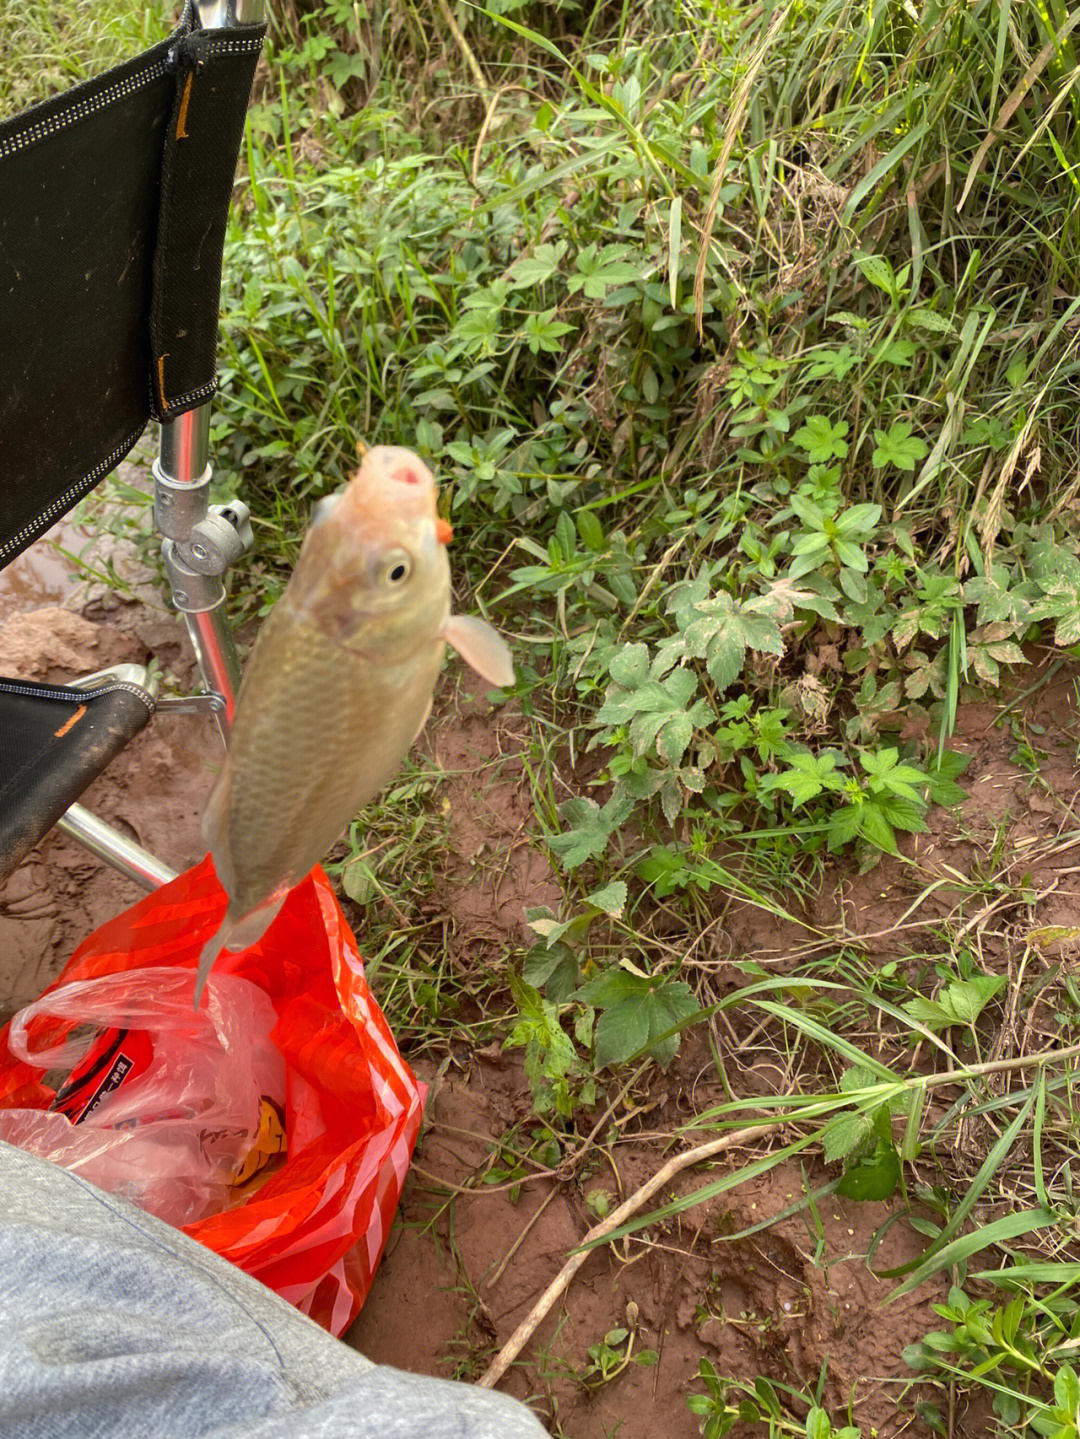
<point>397,567</point>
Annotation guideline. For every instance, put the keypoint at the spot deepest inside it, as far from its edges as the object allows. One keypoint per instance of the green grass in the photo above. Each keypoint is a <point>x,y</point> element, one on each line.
<point>744,342</point>
<point>47,46</point>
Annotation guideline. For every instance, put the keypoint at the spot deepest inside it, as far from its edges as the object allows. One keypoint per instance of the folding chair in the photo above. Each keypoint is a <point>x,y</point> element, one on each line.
<point>113,205</point>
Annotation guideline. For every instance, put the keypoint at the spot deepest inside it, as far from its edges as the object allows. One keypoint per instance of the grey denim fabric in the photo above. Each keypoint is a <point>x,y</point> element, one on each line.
<point>115,1326</point>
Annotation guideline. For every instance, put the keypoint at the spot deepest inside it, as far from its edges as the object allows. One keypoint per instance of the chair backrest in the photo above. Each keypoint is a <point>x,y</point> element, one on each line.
<point>112,224</point>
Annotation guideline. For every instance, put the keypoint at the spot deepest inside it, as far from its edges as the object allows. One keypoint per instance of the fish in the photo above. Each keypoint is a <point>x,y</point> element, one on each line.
<point>337,689</point>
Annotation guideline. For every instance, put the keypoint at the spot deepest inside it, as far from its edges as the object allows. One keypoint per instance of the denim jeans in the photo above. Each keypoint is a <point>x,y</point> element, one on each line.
<point>116,1326</point>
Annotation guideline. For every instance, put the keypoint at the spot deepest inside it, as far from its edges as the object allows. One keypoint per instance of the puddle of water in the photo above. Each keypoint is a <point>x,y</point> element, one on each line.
<point>42,575</point>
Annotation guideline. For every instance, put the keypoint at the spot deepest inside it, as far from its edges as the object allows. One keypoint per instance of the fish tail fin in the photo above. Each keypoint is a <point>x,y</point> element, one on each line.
<point>235,933</point>
<point>211,949</point>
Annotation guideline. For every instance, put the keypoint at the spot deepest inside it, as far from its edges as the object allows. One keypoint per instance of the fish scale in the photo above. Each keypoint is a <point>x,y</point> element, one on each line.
<point>337,688</point>
<point>326,697</point>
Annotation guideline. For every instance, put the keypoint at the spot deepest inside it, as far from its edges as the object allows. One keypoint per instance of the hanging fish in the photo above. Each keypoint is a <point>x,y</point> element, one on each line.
<point>337,688</point>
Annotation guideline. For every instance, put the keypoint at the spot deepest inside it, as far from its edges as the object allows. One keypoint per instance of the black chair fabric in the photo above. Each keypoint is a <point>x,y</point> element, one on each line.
<point>114,200</point>
<point>113,205</point>
<point>54,742</point>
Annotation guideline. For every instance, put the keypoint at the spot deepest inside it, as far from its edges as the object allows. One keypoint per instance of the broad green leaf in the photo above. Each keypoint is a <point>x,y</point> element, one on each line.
<point>927,1011</point>
<point>591,531</point>
<point>822,439</point>
<point>965,999</point>
<point>1067,1390</point>
<point>611,899</point>
<point>875,1176</point>
<point>636,1014</point>
<point>878,271</point>
<point>554,969</point>
<point>924,319</point>
<point>587,828</point>
<point>942,773</point>
<point>898,446</point>
<point>818,1425</point>
<point>845,1133</point>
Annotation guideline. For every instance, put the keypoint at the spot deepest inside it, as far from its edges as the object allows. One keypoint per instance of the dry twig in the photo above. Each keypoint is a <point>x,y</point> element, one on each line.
<point>525,1330</point>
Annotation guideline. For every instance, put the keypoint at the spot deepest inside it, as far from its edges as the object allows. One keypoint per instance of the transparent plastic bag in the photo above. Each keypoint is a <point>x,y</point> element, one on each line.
<point>160,1103</point>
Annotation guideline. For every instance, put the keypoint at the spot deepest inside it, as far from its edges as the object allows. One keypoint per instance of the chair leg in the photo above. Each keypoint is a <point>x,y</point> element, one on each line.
<point>219,664</point>
<point>113,847</point>
<point>200,542</point>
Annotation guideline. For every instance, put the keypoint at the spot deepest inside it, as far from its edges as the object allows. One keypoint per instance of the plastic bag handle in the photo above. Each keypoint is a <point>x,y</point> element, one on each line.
<point>163,1001</point>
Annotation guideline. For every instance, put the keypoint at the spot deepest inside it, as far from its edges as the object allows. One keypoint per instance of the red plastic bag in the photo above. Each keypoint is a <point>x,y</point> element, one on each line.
<point>315,1231</point>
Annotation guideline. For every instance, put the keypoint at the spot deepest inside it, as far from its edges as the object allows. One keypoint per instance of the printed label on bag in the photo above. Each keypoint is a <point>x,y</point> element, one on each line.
<point>114,1058</point>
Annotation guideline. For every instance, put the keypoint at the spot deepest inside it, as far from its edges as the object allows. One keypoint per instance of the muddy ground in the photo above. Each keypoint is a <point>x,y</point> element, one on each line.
<point>465,1264</point>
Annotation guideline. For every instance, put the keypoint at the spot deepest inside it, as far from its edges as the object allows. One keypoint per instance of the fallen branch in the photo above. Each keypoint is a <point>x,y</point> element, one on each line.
<point>525,1330</point>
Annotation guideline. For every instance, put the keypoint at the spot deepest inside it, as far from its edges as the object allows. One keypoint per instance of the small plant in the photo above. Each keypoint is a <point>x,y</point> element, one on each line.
<point>555,1070</point>
<point>612,1355</point>
<point>1021,1353</point>
<point>727,1402</point>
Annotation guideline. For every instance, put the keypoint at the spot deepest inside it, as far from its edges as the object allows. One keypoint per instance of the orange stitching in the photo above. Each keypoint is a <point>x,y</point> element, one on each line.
<point>161,380</point>
<point>181,133</point>
<point>71,723</point>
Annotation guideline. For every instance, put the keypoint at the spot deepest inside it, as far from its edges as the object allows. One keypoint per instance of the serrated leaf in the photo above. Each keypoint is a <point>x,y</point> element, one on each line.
<point>636,1014</point>
<point>875,1176</point>
<point>671,799</point>
<point>553,969</point>
<point>856,1077</point>
<point>720,631</point>
<point>874,826</point>
<point>1067,631</point>
<point>844,1134</point>
<point>924,319</point>
<point>611,899</point>
<point>629,666</point>
<point>843,825</point>
<point>587,828</point>
<point>899,352</point>
<point>674,737</point>
<point>927,1012</point>
<point>549,928</point>
<point>965,999</point>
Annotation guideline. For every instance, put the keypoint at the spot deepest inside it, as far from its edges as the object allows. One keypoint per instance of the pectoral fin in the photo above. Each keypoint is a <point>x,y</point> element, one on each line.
<point>481,647</point>
<point>324,508</point>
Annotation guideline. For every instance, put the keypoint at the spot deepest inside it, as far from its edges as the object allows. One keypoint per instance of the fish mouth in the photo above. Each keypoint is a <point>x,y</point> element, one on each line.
<point>443,532</point>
